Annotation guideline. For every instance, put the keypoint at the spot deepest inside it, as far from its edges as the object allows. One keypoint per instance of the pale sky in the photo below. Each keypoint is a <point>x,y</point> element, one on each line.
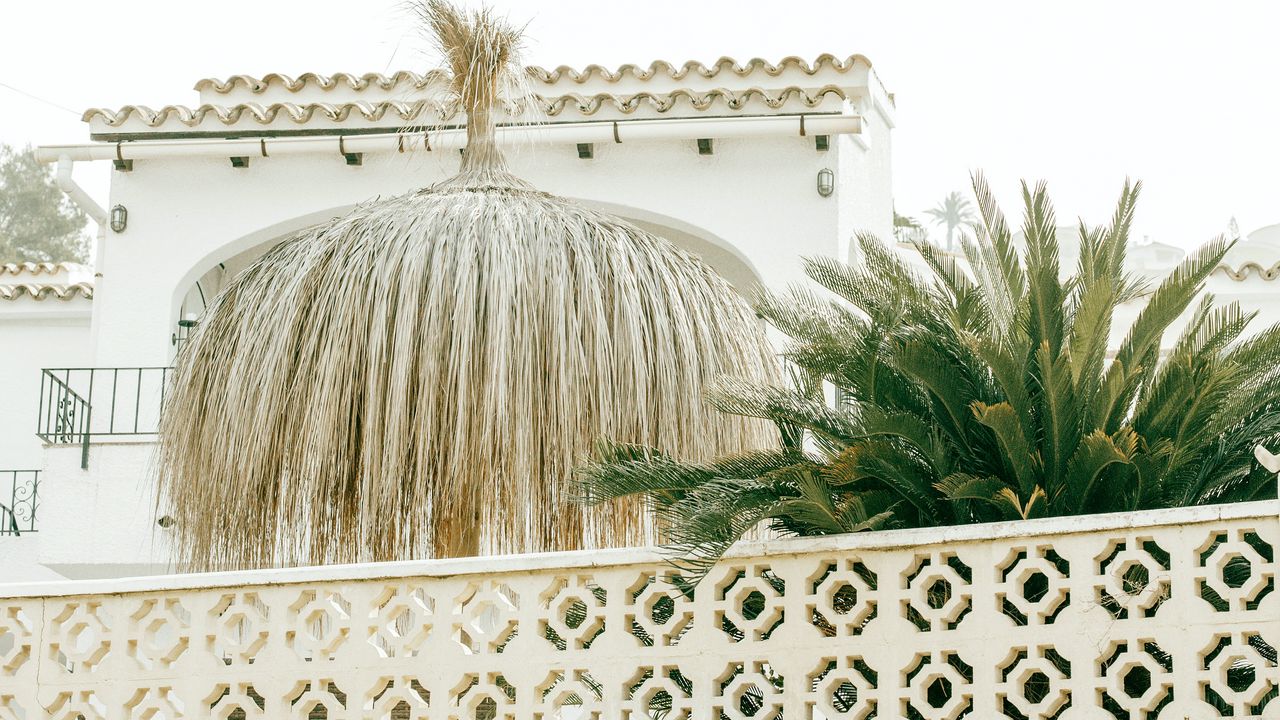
<point>1183,95</point>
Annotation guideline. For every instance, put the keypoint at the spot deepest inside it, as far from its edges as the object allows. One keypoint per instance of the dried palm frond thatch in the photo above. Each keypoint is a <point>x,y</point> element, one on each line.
<point>420,377</point>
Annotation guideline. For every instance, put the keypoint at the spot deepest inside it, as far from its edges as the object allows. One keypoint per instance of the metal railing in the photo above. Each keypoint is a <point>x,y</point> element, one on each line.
<point>19,500</point>
<point>78,404</point>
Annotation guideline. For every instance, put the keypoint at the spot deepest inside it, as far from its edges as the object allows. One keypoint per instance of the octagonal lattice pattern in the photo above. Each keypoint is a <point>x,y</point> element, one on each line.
<point>1058,619</point>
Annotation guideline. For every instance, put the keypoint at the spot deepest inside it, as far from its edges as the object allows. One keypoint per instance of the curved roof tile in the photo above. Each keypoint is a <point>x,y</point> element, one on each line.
<point>409,111</point>
<point>41,268</point>
<point>42,291</point>
<point>537,73</point>
<point>663,102</point>
<point>1242,273</point>
<point>262,114</point>
<point>679,72</point>
<point>324,82</point>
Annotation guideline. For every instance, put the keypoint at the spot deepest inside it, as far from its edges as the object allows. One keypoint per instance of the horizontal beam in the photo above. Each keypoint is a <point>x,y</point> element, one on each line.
<point>338,143</point>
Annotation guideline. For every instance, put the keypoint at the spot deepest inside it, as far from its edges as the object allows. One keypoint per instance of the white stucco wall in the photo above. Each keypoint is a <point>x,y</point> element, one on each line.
<point>34,335</point>
<point>20,560</point>
<point>174,644</point>
<point>864,194</point>
<point>756,199</point>
<point>101,521</point>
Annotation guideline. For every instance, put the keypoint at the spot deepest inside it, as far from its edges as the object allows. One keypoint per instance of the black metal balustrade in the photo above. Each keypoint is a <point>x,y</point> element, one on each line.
<point>19,500</point>
<point>78,404</point>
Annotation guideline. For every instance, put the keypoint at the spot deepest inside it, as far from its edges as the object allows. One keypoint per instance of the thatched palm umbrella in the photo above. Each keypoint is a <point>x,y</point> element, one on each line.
<point>420,377</point>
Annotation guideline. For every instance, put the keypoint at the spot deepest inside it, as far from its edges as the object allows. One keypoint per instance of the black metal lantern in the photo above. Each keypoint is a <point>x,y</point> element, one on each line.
<point>119,218</point>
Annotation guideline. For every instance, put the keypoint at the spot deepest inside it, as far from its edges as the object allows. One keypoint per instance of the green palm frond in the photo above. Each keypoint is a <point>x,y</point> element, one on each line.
<point>1058,410</point>
<point>1095,455</point>
<point>996,261</point>
<point>1023,465</point>
<point>1045,294</point>
<point>1138,352</point>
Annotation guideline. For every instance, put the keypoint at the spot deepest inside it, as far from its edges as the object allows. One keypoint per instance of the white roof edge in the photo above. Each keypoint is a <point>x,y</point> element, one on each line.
<point>337,143</point>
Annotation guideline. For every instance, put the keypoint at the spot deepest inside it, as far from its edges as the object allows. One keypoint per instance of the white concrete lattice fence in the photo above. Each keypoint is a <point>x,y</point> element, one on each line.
<point>1164,614</point>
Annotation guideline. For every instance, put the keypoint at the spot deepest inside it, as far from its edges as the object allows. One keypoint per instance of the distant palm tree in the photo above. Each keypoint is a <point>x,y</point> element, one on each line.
<point>907,229</point>
<point>953,212</point>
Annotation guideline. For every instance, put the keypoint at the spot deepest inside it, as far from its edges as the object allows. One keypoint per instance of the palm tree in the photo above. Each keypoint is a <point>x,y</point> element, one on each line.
<point>419,377</point>
<point>905,228</point>
<point>980,393</point>
<point>953,212</point>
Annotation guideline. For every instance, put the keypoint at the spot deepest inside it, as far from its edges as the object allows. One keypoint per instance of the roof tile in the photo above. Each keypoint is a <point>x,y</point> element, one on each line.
<point>537,74</point>
<point>41,291</point>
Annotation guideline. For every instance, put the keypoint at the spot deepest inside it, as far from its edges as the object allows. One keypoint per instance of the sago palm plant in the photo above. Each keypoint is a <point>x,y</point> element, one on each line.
<point>983,391</point>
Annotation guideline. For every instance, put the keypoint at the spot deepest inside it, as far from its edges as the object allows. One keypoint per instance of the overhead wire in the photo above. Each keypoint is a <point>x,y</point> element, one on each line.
<point>39,99</point>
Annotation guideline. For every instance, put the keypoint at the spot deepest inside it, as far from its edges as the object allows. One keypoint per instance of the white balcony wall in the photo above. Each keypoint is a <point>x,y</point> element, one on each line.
<point>1126,615</point>
<point>34,335</point>
<point>101,521</point>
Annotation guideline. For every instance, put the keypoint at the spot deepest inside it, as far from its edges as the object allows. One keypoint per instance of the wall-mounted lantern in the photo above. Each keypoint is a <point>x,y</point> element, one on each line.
<point>826,182</point>
<point>119,218</point>
<point>185,327</point>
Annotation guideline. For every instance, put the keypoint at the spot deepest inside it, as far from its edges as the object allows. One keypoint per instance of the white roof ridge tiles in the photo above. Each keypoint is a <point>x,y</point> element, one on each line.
<point>657,68</point>
<point>1242,272</point>
<point>39,268</point>
<point>826,98</point>
<point>42,291</point>
<point>325,82</point>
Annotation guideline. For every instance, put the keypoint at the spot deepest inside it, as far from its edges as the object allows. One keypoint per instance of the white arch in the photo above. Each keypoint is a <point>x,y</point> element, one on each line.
<point>720,254</point>
<point>264,236</point>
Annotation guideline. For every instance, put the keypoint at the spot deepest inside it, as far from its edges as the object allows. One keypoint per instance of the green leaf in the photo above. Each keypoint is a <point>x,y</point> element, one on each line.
<point>1003,271</point>
<point>1018,455</point>
<point>1137,353</point>
<point>963,486</point>
<point>1044,290</point>
<point>1097,452</point>
<point>1058,411</point>
<point>925,364</point>
<point>891,467</point>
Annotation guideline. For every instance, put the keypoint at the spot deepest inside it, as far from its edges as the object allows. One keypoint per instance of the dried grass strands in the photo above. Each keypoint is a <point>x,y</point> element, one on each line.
<point>420,377</point>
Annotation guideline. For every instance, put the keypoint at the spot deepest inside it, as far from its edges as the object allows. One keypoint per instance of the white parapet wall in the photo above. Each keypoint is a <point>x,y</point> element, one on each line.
<point>101,522</point>
<point>1169,614</point>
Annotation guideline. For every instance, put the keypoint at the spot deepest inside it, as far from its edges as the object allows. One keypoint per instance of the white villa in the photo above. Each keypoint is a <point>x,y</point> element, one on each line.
<point>751,166</point>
